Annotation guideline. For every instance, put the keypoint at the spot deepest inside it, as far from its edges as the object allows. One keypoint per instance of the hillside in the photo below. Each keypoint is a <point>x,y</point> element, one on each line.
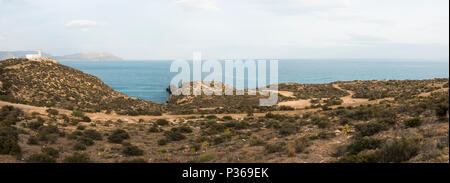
<point>53,113</point>
<point>55,85</point>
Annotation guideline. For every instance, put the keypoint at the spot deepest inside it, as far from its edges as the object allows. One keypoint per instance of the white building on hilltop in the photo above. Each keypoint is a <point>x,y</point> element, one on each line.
<point>34,56</point>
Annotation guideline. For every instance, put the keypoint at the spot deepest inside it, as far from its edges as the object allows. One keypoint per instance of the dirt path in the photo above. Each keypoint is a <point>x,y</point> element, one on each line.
<point>427,94</point>
<point>299,105</point>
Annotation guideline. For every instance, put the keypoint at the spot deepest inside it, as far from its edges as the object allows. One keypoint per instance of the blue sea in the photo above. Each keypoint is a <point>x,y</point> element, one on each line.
<point>149,79</point>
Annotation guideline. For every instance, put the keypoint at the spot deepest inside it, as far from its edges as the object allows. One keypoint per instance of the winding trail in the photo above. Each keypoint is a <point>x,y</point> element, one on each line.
<point>299,106</point>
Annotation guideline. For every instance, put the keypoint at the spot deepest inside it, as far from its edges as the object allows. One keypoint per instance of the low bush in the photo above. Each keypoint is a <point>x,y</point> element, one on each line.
<point>206,157</point>
<point>138,160</point>
<point>79,147</point>
<point>93,134</point>
<point>86,119</point>
<point>53,112</point>
<point>414,122</point>
<point>33,140</point>
<point>41,158</point>
<point>370,129</point>
<point>118,136</point>
<point>154,130</point>
<point>174,136</point>
<point>362,144</point>
<point>226,118</point>
<point>162,122</point>
<point>131,150</point>
<point>182,129</point>
<point>77,158</point>
<point>273,148</point>
<point>288,129</point>
<point>36,125</point>
<point>85,141</point>
<point>211,117</point>
<point>301,144</point>
<point>77,114</point>
<point>9,141</point>
<point>255,141</point>
<point>163,141</point>
<point>399,150</point>
<point>50,151</point>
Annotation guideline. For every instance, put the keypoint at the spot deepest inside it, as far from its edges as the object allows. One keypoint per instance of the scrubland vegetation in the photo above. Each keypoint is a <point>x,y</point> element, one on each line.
<point>404,121</point>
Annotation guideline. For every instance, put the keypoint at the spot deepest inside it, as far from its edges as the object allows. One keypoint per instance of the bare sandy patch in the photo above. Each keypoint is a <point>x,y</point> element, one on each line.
<point>297,104</point>
<point>286,93</point>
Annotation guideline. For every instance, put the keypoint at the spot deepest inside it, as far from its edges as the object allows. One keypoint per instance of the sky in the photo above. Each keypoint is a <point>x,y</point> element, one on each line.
<point>230,29</point>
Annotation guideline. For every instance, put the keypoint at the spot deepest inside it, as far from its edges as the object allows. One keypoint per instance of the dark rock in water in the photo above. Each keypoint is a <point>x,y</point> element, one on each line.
<point>168,90</point>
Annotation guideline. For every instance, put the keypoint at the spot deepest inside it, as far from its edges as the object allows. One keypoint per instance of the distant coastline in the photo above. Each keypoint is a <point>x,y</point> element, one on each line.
<point>148,80</point>
<point>91,56</point>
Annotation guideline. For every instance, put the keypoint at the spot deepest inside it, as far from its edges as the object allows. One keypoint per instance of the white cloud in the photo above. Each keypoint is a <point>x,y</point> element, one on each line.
<point>2,38</point>
<point>207,5</point>
<point>82,24</point>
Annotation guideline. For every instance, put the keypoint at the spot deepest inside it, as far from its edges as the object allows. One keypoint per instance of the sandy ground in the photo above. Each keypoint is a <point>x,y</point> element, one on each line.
<point>286,93</point>
<point>429,93</point>
<point>296,104</point>
<point>299,105</point>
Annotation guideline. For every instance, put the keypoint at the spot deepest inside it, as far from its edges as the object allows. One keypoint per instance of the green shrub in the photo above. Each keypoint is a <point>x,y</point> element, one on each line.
<point>53,112</point>
<point>81,127</point>
<point>50,151</point>
<point>36,125</point>
<point>138,160</point>
<point>206,157</point>
<point>182,129</point>
<point>441,110</point>
<point>395,151</point>
<point>162,122</point>
<point>301,144</point>
<point>118,136</point>
<point>221,139</point>
<point>362,144</point>
<point>79,147</point>
<point>370,129</point>
<point>324,135</point>
<point>163,141</point>
<point>131,150</point>
<point>255,141</point>
<point>33,140</point>
<point>41,158</point>
<point>77,114</point>
<point>93,134</point>
<point>9,115</point>
<point>360,158</point>
<point>153,130</point>
<point>273,148</point>
<point>85,141</point>
<point>324,123</point>
<point>211,117</point>
<point>86,119</point>
<point>414,122</point>
<point>9,141</point>
<point>288,129</point>
<point>227,118</point>
<point>48,133</point>
<point>174,136</point>
<point>77,158</point>
<point>399,150</point>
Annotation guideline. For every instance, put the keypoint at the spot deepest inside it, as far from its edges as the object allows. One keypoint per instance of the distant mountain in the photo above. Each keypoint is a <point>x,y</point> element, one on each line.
<point>88,57</point>
<point>19,54</point>
<point>92,56</point>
